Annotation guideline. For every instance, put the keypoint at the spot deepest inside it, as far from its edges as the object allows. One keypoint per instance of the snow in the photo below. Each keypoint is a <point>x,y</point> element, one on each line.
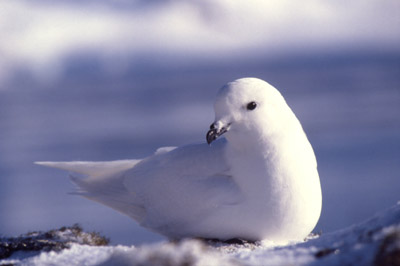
<point>375,241</point>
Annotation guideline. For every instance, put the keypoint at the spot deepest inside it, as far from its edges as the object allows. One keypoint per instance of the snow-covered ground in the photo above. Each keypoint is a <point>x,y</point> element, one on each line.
<point>373,242</point>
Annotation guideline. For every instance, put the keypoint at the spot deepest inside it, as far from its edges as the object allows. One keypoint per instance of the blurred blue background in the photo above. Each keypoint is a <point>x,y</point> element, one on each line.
<point>107,80</point>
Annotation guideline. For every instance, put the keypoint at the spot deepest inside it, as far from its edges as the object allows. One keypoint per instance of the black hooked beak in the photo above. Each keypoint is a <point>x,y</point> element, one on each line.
<point>215,132</point>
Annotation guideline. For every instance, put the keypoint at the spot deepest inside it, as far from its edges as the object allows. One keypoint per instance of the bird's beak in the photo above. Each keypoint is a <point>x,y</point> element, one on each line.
<point>216,130</point>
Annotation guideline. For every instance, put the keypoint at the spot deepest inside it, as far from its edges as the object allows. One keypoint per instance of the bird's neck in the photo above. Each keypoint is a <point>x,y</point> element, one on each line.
<point>253,160</point>
<point>269,161</point>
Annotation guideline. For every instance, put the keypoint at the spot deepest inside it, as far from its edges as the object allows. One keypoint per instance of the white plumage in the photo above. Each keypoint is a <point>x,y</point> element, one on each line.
<point>260,182</point>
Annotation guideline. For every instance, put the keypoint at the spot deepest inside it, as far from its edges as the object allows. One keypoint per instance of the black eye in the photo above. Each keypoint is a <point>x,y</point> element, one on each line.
<point>251,106</point>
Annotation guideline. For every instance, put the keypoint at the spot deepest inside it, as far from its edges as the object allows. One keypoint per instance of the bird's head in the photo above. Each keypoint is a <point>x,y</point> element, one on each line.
<point>247,108</point>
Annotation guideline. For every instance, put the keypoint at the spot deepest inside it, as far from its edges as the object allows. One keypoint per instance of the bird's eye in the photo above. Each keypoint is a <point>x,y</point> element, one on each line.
<point>251,106</point>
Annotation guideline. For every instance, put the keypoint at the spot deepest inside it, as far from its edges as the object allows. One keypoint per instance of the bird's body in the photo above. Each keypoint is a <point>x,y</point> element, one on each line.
<point>261,182</point>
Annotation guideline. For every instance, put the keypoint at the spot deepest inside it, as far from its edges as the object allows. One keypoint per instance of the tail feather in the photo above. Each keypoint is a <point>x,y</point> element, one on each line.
<point>104,184</point>
<point>112,193</point>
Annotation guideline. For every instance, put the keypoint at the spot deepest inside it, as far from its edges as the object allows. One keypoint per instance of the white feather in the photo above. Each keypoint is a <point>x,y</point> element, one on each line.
<point>93,169</point>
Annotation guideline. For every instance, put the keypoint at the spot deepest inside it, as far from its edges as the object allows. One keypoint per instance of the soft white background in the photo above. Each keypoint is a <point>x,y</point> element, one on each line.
<point>106,80</point>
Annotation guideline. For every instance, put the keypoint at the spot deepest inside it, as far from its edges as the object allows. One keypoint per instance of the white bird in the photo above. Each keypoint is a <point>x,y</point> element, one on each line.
<point>260,182</point>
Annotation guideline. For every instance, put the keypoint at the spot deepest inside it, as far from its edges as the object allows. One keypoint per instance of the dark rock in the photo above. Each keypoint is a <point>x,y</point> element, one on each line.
<point>53,240</point>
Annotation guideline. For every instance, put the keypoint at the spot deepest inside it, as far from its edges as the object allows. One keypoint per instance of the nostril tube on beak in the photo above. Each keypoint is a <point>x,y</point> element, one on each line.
<point>216,130</point>
<point>212,135</point>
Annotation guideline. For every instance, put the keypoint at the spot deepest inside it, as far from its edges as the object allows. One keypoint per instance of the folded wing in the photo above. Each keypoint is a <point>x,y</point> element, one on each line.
<point>166,192</point>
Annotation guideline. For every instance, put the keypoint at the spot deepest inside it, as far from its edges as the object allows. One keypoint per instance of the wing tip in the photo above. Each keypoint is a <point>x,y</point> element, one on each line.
<point>41,162</point>
<point>60,165</point>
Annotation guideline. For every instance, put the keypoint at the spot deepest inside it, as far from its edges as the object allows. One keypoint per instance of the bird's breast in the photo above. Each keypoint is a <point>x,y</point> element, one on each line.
<point>282,194</point>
